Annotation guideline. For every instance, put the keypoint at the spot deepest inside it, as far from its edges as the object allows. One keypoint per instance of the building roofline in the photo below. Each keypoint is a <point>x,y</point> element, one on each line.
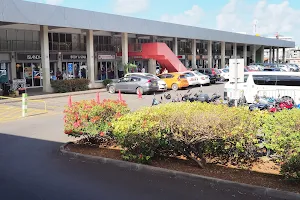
<point>24,12</point>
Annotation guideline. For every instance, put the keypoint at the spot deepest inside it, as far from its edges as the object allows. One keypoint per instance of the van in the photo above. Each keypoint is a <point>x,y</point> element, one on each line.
<point>269,84</point>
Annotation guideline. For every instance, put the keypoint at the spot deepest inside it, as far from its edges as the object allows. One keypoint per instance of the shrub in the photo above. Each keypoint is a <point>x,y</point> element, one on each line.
<point>196,131</point>
<point>291,169</point>
<point>71,85</point>
<point>282,133</point>
<point>91,119</point>
<point>107,81</point>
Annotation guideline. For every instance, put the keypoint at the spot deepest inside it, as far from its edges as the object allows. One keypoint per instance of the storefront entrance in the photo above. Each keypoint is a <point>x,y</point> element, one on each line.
<point>74,66</point>
<point>106,67</point>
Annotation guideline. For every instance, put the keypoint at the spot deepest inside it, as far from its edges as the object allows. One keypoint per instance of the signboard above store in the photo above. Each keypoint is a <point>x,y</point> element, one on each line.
<point>34,56</point>
<point>106,57</point>
<point>74,57</point>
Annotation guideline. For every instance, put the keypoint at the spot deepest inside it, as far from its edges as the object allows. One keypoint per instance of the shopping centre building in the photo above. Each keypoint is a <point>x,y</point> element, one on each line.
<point>39,41</point>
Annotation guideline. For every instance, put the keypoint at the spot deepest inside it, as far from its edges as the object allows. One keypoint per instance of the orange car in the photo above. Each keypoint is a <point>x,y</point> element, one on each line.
<point>174,80</point>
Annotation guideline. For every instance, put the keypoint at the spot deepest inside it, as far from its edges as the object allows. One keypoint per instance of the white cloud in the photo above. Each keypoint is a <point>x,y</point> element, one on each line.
<point>190,17</point>
<point>271,18</point>
<point>130,6</point>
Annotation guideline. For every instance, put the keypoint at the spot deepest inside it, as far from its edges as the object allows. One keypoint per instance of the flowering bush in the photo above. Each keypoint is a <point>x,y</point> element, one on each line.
<point>92,119</point>
<point>194,130</point>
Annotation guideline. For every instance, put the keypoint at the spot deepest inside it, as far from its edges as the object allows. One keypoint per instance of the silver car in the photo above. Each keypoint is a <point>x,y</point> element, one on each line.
<point>134,84</point>
<point>161,84</point>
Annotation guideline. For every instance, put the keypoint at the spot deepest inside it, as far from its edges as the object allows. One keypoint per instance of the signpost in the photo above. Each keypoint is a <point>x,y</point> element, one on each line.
<point>236,75</point>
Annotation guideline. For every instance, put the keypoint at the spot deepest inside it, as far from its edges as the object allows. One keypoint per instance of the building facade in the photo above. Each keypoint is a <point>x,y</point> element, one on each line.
<point>72,42</point>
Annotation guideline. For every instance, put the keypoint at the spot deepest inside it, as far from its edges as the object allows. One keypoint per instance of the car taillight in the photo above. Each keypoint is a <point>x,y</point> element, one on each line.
<point>149,81</point>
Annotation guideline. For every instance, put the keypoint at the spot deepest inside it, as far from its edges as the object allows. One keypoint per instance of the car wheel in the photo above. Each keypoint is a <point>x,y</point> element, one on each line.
<point>139,90</point>
<point>174,86</point>
<point>112,89</point>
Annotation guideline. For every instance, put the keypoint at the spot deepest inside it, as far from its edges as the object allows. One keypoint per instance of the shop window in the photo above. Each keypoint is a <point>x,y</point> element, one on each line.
<point>19,71</point>
<point>68,38</point>
<point>55,37</point>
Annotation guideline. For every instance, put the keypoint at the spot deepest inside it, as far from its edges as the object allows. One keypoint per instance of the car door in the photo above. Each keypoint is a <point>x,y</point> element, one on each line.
<point>169,80</point>
<point>122,84</point>
<point>133,84</point>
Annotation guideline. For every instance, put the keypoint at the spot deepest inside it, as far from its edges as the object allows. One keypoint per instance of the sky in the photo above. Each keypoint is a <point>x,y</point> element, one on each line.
<point>270,16</point>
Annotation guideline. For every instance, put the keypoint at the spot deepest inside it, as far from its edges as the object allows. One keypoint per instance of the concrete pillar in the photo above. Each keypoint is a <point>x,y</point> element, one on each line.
<point>59,64</point>
<point>90,57</point>
<point>175,46</point>
<point>273,55</point>
<point>283,55</point>
<point>194,54</point>
<point>254,54</point>
<point>223,50</point>
<point>45,58</point>
<point>245,54</point>
<point>262,54</point>
<point>13,66</point>
<point>270,55</point>
<point>152,66</point>
<point>277,55</point>
<point>234,51</point>
<point>124,48</point>
<point>209,54</point>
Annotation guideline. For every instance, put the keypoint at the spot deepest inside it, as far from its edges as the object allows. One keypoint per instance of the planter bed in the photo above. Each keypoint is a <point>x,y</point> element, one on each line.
<point>265,174</point>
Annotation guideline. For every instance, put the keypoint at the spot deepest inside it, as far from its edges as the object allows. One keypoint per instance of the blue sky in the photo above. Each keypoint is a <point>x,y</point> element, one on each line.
<point>272,16</point>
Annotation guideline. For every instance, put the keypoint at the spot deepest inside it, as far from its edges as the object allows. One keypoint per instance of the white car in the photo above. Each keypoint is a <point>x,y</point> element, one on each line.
<point>161,84</point>
<point>196,78</point>
<point>224,74</point>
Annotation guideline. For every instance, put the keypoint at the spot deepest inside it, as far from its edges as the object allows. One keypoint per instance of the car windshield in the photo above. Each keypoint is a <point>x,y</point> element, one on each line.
<point>225,70</point>
<point>198,73</point>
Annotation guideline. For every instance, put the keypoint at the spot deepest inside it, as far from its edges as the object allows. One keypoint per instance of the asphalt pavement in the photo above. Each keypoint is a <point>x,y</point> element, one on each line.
<point>31,167</point>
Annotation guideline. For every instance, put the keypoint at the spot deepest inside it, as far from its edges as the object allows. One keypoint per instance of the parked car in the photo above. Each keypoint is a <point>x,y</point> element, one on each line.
<point>224,74</point>
<point>284,67</point>
<point>293,67</point>
<point>134,84</point>
<point>161,84</point>
<point>175,80</point>
<point>196,78</point>
<point>213,74</point>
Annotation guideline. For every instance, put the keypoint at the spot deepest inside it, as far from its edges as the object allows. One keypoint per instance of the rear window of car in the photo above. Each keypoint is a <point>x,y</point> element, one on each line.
<point>182,76</point>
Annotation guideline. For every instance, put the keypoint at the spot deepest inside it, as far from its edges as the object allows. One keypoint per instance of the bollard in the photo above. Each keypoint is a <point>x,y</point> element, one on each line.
<point>98,97</point>
<point>70,101</point>
<point>24,104</point>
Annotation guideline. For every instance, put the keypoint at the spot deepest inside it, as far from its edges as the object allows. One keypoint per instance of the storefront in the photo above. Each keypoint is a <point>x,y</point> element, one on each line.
<point>75,65</point>
<point>29,67</point>
<point>5,67</point>
<point>107,67</point>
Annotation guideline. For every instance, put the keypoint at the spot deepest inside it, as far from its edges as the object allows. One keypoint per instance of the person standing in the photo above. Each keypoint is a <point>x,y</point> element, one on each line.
<point>143,70</point>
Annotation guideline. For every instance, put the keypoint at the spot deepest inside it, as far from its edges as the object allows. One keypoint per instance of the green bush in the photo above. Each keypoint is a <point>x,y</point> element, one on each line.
<point>194,130</point>
<point>71,85</point>
<point>106,82</point>
<point>291,168</point>
<point>91,119</point>
<point>282,133</point>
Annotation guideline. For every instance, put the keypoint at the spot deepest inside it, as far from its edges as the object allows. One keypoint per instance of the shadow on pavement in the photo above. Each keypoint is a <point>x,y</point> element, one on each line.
<point>34,169</point>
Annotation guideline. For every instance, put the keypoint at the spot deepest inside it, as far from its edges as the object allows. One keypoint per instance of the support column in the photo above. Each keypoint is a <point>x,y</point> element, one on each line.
<point>13,66</point>
<point>273,55</point>
<point>124,48</point>
<point>223,50</point>
<point>254,54</point>
<point>245,54</point>
<point>270,55</point>
<point>90,57</point>
<point>175,46</point>
<point>194,54</point>
<point>152,66</point>
<point>283,55</point>
<point>209,54</point>
<point>262,54</point>
<point>45,58</point>
<point>277,55</point>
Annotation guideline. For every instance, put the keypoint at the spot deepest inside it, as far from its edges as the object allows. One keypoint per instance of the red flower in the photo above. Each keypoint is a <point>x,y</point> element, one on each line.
<point>101,134</point>
<point>141,156</point>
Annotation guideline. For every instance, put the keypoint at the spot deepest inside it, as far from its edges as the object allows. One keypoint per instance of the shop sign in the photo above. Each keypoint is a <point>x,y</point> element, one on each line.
<point>74,56</point>
<point>37,56</point>
<point>106,57</point>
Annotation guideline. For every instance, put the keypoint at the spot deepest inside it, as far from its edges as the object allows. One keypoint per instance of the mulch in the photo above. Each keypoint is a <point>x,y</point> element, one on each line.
<point>265,174</point>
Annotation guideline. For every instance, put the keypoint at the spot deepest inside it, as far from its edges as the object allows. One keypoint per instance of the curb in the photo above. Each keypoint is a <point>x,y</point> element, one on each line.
<point>213,182</point>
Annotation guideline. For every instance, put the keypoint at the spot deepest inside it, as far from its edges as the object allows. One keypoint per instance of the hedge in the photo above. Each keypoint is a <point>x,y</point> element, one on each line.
<point>198,131</point>
<point>71,85</point>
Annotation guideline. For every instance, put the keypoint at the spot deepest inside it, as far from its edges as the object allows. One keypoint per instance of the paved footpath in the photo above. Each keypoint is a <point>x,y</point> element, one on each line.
<point>32,169</point>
